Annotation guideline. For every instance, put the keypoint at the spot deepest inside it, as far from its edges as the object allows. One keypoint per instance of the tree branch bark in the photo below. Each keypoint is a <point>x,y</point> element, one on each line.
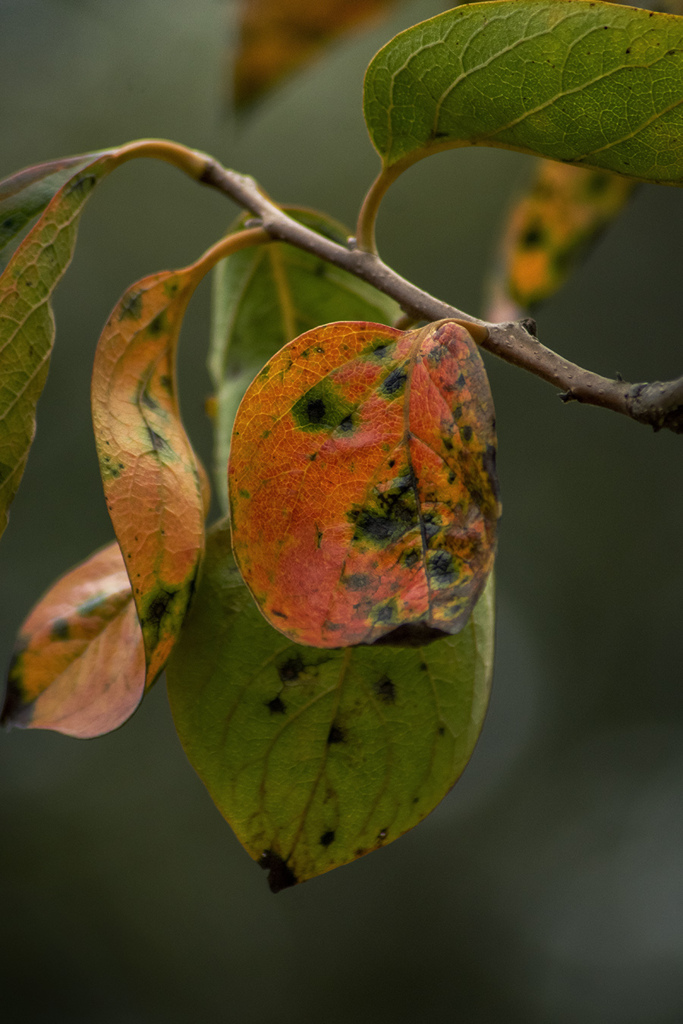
<point>658,404</point>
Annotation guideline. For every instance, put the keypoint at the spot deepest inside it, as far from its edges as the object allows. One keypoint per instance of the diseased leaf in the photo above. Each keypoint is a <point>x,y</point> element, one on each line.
<point>362,484</point>
<point>278,36</point>
<point>552,227</point>
<point>149,471</point>
<point>79,663</point>
<point>318,757</point>
<point>266,296</point>
<point>577,81</point>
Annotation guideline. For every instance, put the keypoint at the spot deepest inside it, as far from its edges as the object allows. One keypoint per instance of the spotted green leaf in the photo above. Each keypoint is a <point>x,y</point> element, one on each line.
<point>316,757</point>
<point>573,80</point>
<point>263,297</point>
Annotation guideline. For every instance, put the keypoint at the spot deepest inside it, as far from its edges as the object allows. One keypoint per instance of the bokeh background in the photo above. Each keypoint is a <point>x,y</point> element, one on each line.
<point>548,886</point>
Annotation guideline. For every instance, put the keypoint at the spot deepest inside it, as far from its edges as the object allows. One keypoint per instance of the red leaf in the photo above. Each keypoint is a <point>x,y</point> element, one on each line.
<point>362,484</point>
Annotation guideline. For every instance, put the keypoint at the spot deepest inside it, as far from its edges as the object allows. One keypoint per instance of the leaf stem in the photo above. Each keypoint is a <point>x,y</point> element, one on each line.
<point>367,217</point>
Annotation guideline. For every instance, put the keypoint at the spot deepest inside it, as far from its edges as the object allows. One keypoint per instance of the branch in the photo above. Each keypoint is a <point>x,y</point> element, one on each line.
<point>658,404</point>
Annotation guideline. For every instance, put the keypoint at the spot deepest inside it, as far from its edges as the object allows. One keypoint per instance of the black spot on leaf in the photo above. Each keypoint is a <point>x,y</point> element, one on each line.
<point>336,734</point>
<point>356,581</point>
<point>158,443</point>
<point>131,307</point>
<point>327,838</point>
<point>394,383</point>
<point>441,569</point>
<point>157,325</point>
<point>279,875</point>
<point>466,432</point>
<point>385,690</point>
<point>60,630</point>
<point>276,706</point>
<point>533,237</point>
<point>147,400</point>
<point>291,669</point>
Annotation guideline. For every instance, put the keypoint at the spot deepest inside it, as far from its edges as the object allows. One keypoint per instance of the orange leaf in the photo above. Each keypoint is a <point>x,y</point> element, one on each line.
<point>552,227</point>
<point>149,471</point>
<point>79,665</point>
<point>278,36</point>
<point>362,484</point>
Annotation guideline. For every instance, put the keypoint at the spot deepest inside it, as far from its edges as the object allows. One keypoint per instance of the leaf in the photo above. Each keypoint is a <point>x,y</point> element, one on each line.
<point>553,225</point>
<point>278,36</point>
<point>582,82</point>
<point>28,192</point>
<point>318,757</point>
<point>263,298</point>
<point>150,475</point>
<point>79,665</point>
<point>26,285</point>
<point>362,484</point>
<point>26,321</point>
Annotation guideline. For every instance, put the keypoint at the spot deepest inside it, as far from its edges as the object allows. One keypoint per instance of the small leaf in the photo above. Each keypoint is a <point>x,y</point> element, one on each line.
<point>362,484</point>
<point>589,83</point>
<point>150,475</point>
<point>263,298</point>
<point>552,227</point>
<point>318,757</point>
<point>279,36</point>
<point>79,665</point>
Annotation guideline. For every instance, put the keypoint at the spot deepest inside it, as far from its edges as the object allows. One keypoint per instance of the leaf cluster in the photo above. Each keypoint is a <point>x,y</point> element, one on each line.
<point>328,645</point>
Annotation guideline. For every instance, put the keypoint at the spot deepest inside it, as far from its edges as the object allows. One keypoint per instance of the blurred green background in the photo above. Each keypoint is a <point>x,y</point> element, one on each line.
<point>548,886</point>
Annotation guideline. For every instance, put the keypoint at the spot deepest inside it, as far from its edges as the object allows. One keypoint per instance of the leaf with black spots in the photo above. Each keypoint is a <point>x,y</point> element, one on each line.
<point>362,484</point>
<point>151,477</point>
<point>317,757</point>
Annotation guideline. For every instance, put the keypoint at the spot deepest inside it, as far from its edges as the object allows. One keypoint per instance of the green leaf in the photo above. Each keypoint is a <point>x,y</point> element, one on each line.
<point>317,757</point>
<point>27,324</point>
<point>28,192</point>
<point>584,82</point>
<point>264,297</point>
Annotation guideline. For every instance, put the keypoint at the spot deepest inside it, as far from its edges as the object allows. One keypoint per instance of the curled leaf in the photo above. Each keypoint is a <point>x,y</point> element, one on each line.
<point>317,757</point>
<point>149,472</point>
<point>362,484</point>
<point>79,664</point>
